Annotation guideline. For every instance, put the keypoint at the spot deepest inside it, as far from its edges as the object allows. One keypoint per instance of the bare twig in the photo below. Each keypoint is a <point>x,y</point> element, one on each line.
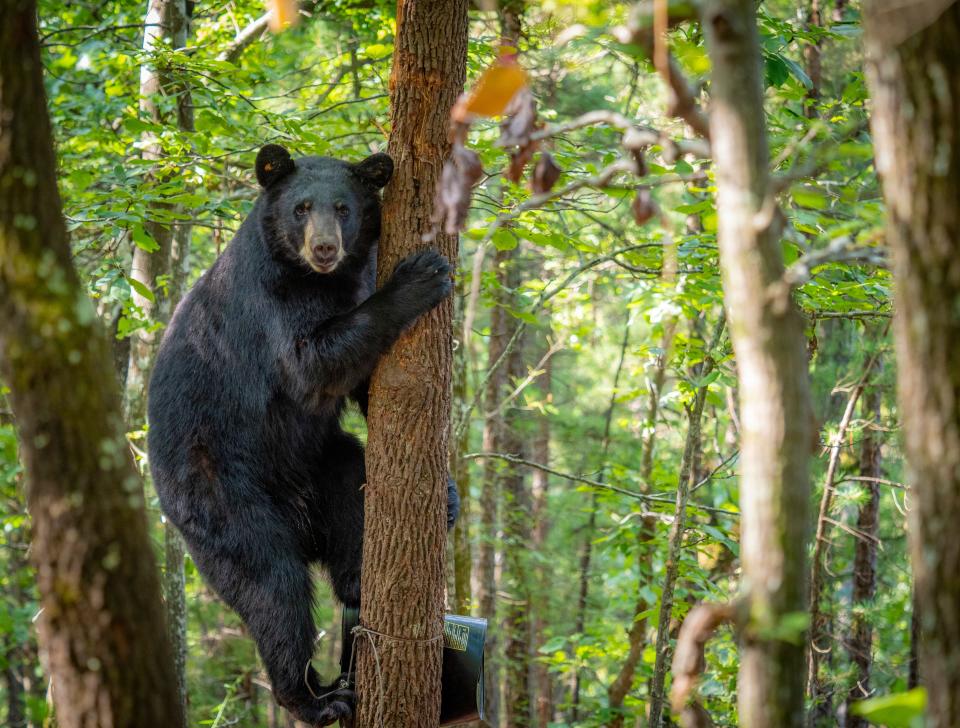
<point>849,314</point>
<point>666,500</point>
<point>839,250</point>
<point>678,529</point>
<point>818,627</point>
<point>635,136</point>
<point>521,327</point>
<point>881,481</point>
<point>683,101</point>
<point>689,660</point>
<point>532,375</point>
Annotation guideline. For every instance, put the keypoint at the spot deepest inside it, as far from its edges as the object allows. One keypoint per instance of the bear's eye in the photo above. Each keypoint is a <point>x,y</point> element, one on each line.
<point>302,209</point>
<point>342,210</point>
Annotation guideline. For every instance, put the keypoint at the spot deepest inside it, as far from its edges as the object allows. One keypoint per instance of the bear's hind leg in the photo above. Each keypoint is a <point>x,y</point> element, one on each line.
<point>340,515</point>
<point>271,589</point>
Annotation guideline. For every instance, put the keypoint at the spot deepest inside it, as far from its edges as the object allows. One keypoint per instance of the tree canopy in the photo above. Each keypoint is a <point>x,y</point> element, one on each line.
<point>674,380</point>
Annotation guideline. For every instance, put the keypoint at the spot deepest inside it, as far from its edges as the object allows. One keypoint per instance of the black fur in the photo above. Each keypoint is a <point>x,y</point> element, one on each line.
<point>246,448</point>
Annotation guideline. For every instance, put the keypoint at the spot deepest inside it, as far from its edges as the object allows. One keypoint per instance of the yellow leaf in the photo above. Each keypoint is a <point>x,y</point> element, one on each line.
<point>283,14</point>
<point>495,87</point>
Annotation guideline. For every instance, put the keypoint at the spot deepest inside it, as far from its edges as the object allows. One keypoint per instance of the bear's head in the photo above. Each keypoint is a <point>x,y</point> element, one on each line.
<point>317,211</point>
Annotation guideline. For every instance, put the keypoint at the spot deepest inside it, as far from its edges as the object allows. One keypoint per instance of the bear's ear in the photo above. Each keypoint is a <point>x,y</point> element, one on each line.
<point>375,170</point>
<point>273,164</point>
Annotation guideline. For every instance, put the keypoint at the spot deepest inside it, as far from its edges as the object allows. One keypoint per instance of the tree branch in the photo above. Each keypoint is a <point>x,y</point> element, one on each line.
<point>682,99</point>
<point>516,460</point>
<point>245,38</point>
<point>689,660</point>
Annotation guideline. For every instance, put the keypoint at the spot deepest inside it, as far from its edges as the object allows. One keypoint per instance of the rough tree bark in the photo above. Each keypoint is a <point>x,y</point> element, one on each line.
<point>767,335</point>
<point>860,639</point>
<point>102,624</point>
<point>409,418</point>
<point>517,537</point>
<point>914,76</point>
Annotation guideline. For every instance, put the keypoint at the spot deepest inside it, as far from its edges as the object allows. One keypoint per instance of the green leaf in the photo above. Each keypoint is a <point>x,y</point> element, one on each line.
<point>899,710</point>
<point>142,289</point>
<point>504,240</point>
<point>553,644</point>
<point>143,240</point>
<point>797,72</point>
<point>777,72</point>
<point>138,126</point>
<point>705,381</point>
<point>809,197</point>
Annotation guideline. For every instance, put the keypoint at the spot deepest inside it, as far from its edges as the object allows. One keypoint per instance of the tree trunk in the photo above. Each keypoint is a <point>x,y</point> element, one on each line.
<point>495,431</point>
<point>767,335</point>
<point>913,660</point>
<point>399,659</point>
<point>102,624</point>
<point>460,472</point>
<point>505,482</point>
<point>689,468</point>
<point>819,641</point>
<point>517,538</point>
<point>541,683</point>
<point>646,532</point>
<point>914,77</point>
<point>583,593</point>
<point>587,547</point>
<point>813,21</point>
<point>490,495</point>
<point>17,655</point>
<point>860,640</point>
<point>13,683</point>
<point>166,24</point>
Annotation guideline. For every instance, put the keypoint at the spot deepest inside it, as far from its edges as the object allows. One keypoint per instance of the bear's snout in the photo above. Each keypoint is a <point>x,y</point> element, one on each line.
<point>325,251</point>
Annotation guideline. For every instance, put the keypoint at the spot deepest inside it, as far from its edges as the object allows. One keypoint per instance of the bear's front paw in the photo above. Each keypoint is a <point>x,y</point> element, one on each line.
<point>422,279</point>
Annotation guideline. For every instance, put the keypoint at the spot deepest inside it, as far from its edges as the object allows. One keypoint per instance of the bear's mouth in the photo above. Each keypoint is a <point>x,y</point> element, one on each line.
<point>324,263</point>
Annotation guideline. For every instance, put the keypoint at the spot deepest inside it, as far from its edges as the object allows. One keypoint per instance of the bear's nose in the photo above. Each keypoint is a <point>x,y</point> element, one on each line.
<point>325,250</point>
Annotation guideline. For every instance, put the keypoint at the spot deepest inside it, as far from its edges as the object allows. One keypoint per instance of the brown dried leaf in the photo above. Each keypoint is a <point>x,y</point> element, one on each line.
<point>519,160</point>
<point>545,174</point>
<point>644,207</point>
<point>521,121</point>
<point>455,188</point>
<point>641,161</point>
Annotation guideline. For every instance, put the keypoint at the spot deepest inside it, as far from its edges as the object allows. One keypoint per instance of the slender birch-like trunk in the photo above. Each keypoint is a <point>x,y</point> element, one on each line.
<point>767,335</point>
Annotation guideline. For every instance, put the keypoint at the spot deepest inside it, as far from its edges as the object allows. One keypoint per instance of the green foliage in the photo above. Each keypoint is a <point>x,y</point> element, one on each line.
<point>900,710</point>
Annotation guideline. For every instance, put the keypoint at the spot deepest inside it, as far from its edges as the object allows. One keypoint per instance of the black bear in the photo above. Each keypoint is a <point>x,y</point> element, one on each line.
<point>246,449</point>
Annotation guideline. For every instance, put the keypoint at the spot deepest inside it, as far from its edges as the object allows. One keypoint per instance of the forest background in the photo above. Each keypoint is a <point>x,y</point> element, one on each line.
<point>594,386</point>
